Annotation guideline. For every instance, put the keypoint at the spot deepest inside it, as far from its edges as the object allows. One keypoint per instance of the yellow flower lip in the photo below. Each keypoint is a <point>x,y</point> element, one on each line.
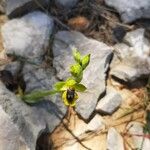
<point>69,97</point>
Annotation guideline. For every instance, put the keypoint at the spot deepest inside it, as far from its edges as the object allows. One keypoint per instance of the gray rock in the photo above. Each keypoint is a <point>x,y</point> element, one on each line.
<point>94,75</point>
<point>15,8</point>
<point>130,11</point>
<point>37,78</point>
<point>25,119</point>
<point>110,102</point>
<point>13,67</point>
<point>96,124</point>
<point>2,6</point>
<point>10,138</point>
<point>136,128</point>
<point>28,37</point>
<point>66,3</point>
<point>114,140</point>
<point>132,59</point>
<point>129,73</point>
<point>32,120</point>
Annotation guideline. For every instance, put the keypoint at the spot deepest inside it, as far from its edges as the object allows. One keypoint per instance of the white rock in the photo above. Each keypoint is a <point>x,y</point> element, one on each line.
<point>110,102</point>
<point>96,124</point>
<point>136,128</point>
<point>114,140</point>
<point>28,36</point>
<point>132,59</point>
<point>139,45</point>
<point>131,10</point>
<point>125,72</point>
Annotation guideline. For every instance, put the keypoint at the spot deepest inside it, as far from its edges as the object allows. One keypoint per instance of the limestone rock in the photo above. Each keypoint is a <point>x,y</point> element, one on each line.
<point>132,60</point>
<point>131,10</point>
<point>32,120</point>
<point>28,36</point>
<point>43,79</point>
<point>26,120</point>
<point>37,78</point>
<point>94,75</point>
<point>13,67</point>
<point>114,140</point>
<point>10,138</point>
<point>15,8</point>
<point>110,102</point>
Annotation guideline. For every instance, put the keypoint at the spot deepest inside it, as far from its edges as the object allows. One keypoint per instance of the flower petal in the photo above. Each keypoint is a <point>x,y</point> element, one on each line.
<point>64,98</point>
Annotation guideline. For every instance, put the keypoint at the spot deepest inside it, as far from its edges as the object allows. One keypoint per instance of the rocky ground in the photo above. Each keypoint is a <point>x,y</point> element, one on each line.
<point>36,42</point>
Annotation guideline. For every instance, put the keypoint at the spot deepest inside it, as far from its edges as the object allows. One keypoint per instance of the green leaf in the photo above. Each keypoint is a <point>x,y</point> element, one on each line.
<point>70,82</point>
<point>85,61</point>
<point>59,85</point>
<point>32,101</point>
<point>76,70</point>
<point>77,55</point>
<point>80,87</point>
<point>37,96</point>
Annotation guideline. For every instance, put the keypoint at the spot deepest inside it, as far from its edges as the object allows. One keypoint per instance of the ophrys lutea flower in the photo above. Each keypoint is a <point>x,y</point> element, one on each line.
<point>69,88</point>
<point>69,97</point>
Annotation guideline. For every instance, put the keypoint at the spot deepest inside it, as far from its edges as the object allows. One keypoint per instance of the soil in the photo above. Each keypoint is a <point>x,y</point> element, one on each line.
<point>92,18</point>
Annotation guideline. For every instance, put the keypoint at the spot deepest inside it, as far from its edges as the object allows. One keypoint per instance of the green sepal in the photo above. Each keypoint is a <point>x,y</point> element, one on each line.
<point>70,82</point>
<point>77,56</point>
<point>59,85</point>
<point>76,70</point>
<point>85,61</point>
<point>80,87</point>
